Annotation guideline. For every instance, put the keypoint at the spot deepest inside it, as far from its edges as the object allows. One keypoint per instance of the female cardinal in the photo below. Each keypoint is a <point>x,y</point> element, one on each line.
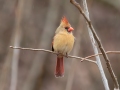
<point>63,42</point>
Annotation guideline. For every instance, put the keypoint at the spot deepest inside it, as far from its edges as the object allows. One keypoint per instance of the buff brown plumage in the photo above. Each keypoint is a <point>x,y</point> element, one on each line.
<point>63,42</point>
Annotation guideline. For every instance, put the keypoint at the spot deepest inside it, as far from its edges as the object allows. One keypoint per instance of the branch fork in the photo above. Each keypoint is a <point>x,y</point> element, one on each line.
<point>77,5</point>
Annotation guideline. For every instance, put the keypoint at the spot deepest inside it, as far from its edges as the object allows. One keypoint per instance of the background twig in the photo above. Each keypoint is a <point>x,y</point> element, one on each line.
<point>17,40</point>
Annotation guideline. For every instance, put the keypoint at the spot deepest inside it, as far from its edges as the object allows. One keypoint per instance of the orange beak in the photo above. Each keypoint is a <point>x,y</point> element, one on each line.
<point>70,29</point>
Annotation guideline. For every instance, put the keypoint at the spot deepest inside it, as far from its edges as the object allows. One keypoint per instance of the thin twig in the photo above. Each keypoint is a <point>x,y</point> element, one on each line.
<point>99,44</point>
<point>44,50</point>
<point>108,52</point>
<point>99,64</point>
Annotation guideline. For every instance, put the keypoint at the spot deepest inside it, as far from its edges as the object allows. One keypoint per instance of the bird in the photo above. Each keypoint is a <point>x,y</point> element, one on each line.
<point>62,44</point>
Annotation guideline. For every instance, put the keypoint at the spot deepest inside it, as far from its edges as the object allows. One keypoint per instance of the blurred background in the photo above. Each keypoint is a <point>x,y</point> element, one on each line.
<point>32,23</point>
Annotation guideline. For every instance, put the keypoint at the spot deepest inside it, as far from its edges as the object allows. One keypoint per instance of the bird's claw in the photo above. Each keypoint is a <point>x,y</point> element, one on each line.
<point>57,54</point>
<point>66,55</point>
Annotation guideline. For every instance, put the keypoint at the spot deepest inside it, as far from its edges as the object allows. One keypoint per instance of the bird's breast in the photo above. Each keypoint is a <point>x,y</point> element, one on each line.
<point>63,42</point>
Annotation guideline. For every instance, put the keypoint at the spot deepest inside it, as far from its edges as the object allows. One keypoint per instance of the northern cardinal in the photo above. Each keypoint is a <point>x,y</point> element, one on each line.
<point>63,42</point>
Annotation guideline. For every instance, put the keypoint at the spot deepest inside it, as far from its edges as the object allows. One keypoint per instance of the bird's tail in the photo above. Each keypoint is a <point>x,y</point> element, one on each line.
<point>59,72</point>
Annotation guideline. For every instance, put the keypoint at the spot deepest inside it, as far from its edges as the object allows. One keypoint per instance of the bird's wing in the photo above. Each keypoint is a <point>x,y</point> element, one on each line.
<point>52,47</point>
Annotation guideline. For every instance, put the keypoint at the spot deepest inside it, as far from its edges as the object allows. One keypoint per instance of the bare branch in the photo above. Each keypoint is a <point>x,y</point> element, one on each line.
<point>44,50</point>
<point>85,13</point>
<point>108,52</point>
<point>99,44</point>
<point>104,79</point>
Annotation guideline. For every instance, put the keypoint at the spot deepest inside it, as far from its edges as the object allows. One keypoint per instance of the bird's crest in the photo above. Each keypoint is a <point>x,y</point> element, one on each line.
<point>64,21</point>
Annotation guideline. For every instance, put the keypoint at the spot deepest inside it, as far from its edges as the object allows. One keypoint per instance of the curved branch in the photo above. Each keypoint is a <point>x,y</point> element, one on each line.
<point>44,50</point>
<point>108,52</point>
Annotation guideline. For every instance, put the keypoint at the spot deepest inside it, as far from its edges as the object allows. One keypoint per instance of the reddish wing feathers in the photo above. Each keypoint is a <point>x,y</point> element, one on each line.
<point>52,47</point>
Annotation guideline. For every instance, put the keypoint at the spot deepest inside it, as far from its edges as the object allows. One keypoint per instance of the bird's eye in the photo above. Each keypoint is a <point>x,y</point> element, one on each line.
<point>67,28</point>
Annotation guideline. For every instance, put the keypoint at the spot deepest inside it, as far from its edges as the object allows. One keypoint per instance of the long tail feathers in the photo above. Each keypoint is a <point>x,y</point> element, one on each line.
<point>59,72</point>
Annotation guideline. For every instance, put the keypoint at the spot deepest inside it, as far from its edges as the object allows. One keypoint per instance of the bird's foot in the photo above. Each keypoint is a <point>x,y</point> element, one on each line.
<point>57,54</point>
<point>66,55</point>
